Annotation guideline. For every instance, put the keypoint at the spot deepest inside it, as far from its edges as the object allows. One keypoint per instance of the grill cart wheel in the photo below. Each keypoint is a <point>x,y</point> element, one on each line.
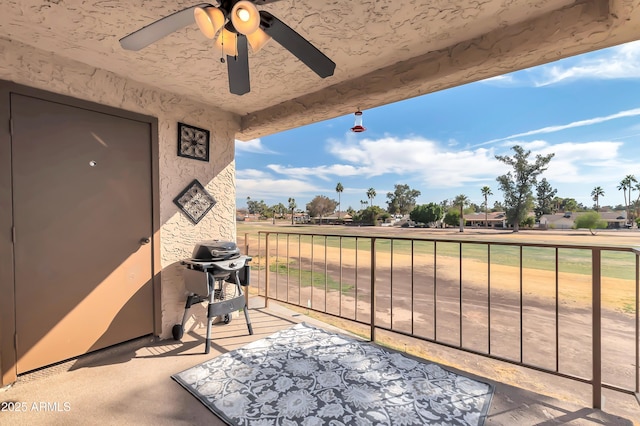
<point>227,318</point>
<point>177,331</point>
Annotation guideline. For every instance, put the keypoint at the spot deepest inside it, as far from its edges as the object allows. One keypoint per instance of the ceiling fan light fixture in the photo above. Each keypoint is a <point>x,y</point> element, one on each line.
<point>245,17</point>
<point>209,19</point>
<point>258,39</point>
<point>227,42</point>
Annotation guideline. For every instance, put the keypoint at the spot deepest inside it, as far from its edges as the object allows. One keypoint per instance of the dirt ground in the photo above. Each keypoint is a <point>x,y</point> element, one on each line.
<point>489,319</point>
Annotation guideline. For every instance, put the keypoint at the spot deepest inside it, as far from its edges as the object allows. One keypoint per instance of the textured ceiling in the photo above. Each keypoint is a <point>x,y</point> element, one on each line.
<point>384,50</point>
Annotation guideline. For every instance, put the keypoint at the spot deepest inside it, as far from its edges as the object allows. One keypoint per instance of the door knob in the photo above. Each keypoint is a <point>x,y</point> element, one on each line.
<point>144,241</point>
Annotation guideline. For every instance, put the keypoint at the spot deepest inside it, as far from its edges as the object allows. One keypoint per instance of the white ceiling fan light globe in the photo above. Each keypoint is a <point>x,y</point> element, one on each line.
<point>258,39</point>
<point>209,20</point>
<point>227,42</point>
<point>245,17</point>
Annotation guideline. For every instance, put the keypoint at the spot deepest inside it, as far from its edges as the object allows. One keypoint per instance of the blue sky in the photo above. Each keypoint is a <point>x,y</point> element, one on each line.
<point>585,109</point>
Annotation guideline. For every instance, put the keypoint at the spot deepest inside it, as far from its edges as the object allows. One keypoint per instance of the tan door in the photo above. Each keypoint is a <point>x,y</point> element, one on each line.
<point>82,209</point>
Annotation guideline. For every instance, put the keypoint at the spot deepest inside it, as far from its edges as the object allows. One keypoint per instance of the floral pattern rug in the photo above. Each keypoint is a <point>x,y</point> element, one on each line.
<point>308,376</point>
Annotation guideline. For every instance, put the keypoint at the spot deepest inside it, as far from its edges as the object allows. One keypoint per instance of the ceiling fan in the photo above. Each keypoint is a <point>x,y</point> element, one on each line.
<point>238,24</point>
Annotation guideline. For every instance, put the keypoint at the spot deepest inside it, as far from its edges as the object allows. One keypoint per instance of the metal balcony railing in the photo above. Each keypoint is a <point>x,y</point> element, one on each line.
<point>567,310</point>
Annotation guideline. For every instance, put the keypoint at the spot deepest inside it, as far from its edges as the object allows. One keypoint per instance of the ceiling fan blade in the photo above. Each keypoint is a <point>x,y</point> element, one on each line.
<point>159,29</point>
<point>298,45</point>
<point>238,68</point>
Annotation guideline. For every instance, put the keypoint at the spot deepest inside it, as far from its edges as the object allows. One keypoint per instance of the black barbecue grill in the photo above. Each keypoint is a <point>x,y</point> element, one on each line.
<point>211,265</point>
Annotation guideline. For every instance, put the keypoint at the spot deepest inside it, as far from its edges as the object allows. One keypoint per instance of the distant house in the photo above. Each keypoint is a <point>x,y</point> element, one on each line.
<point>615,220</point>
<point>493,220</point>
<point>335,218</point>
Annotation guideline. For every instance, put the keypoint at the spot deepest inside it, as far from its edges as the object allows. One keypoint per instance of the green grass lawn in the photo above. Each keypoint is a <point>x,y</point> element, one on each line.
<point>615,264</point>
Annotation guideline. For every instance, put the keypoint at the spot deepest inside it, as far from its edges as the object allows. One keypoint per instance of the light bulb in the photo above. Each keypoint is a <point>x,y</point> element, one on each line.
<point>244,15</point>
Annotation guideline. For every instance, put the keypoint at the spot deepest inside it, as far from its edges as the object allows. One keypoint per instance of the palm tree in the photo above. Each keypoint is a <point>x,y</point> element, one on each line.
<point>371,194</point>
<point>339,189</point>
<point>631,179</point>
<point>625,184</point>
<point>292,207</point>
<point>596,194</point>
<point>462,201</point>
<point>486,191</point>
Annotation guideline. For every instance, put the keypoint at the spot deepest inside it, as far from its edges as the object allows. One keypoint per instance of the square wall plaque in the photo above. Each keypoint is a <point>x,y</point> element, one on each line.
<point>193,142</point>
<point>195,201</point>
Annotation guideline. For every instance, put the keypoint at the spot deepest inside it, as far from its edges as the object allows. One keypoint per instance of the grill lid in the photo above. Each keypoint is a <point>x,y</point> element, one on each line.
<point>215,250</point>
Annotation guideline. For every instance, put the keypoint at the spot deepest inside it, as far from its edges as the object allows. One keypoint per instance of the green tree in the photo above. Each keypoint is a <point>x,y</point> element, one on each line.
<point>258,207</point>
<point>292,207</point>
<point>371,194</point>
<point>320,206</point>
<point>339,190</point>
<point>544,198</point>
<point>452,218</point>
<point>402,200</point>
<point>486,192</point>
<point>369,215</point>
<point>596,194</point>
<point>558,202</point>
<point>426,213</point>
<point>570,205</point>
<point>498,207</point>
<point>279,209</point>
<point>516,184</point>
<point>590,220</point>
<point>461,201</point>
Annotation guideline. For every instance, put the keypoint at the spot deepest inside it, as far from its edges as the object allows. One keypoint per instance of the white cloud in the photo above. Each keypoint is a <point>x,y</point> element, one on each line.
<point>580,163</point>
<point>501,80</point>
<point>321,172</point>
<point>413,157</point>
<point>617,62</point>
<point>552,129</point>
<point>254,146</point>
<point>262,185</point>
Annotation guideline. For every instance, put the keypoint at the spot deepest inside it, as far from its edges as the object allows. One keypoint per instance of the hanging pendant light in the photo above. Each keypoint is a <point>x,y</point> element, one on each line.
<point>357,126</point>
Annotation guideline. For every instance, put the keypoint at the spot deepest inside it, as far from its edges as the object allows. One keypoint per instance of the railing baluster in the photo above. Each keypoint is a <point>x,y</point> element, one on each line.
<point>277,264</point>
<point>310,301</point>
<point>288,264</point>
<point>266,269</point>
<point>557,313</point>
<point>489,298</point>
<point>435,292</point>
<point>326,274</point>
<point>637,345</point>
<point>356,283</point>
<point>596,327</point>
<point>412,285</point>
<point>391,283</point>
<point>340,295</point>
<point>521,296</point>
<point>373,289</point>
<point>460,295</point>
<point>259,262</point>
<point>299,270</point>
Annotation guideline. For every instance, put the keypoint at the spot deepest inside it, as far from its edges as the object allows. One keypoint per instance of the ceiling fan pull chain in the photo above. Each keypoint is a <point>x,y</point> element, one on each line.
<point>222,48</point>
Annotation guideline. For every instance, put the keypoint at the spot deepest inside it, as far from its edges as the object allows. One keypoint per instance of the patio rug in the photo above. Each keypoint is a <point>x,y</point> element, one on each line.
<point>307,376</point>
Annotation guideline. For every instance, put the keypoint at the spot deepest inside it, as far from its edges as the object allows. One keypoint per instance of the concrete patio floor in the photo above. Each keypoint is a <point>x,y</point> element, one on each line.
<point>131,384</point>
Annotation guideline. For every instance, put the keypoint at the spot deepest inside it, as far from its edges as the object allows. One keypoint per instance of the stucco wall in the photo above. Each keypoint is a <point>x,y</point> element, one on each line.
<point>32,67</point>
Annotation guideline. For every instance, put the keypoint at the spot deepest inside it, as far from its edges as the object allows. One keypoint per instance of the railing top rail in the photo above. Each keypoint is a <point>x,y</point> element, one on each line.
<point>632,249</point>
